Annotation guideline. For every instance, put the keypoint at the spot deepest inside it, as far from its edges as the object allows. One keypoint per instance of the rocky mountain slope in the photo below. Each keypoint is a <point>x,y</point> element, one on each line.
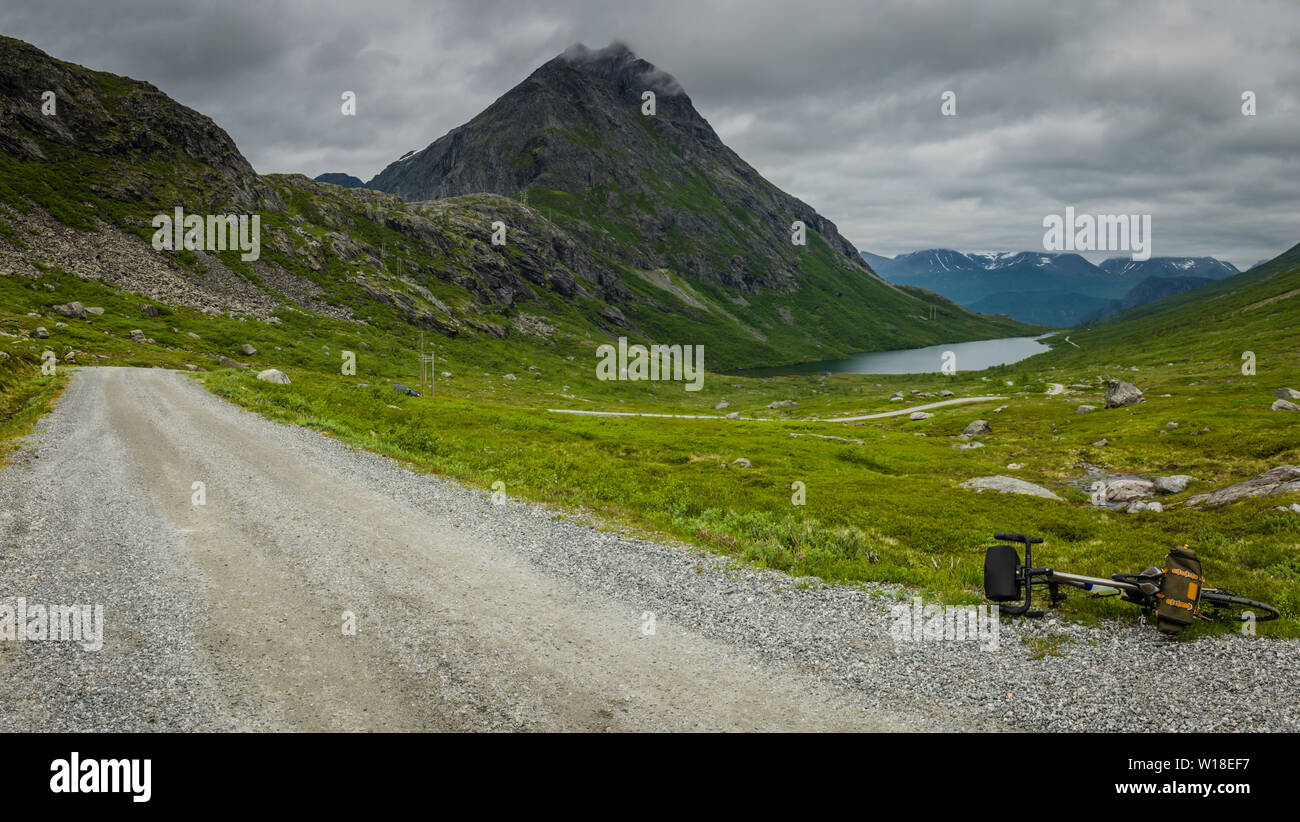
<point>79,189</point>
<point>690,227</point>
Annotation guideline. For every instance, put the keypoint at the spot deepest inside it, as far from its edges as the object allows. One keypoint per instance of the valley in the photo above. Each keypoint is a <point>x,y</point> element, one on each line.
<point>649,400</point>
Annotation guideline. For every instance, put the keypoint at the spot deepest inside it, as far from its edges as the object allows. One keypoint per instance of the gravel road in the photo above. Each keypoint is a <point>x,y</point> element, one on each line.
<point>472,615</point>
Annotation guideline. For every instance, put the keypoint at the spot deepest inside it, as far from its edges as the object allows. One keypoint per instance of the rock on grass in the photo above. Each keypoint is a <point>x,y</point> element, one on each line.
<point>1008,485</point>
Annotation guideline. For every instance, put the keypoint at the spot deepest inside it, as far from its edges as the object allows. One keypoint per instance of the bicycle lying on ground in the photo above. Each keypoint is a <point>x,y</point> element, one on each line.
<point>1177,592</point>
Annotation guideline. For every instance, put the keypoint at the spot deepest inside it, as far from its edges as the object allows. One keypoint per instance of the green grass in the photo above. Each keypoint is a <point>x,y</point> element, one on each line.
<point>25,395</point>
<point>887,510</point>
<point>884,511</point>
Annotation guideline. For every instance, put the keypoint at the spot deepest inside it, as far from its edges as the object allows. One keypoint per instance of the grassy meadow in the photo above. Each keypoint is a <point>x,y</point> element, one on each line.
<point>881,503</point>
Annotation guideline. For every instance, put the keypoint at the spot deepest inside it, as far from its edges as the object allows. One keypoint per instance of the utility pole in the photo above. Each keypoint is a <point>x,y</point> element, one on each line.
<point>426,370</point>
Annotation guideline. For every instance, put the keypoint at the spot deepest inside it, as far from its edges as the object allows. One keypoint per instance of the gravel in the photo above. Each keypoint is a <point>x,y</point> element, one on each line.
<point>480,615</point>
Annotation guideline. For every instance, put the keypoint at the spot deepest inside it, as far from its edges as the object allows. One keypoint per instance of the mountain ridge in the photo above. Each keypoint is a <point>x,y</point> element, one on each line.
<point>1041,287</point>
<point>78,196</point>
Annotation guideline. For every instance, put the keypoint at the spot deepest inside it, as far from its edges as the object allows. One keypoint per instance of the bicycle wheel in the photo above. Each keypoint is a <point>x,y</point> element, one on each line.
<point>1224,601</point>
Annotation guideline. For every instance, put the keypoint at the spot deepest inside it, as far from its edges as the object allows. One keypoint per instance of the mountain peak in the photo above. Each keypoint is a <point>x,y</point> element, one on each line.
<point>577,134</point>
<point>618,65</point>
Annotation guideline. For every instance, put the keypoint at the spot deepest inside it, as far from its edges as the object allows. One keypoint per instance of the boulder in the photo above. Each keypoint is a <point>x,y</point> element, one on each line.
<point>976,428</point>
<point>734,415</point>
<point>1120,393</point>
<point>1174,484</point>
<point>1287,394</point>
<point>1124,490</point>
<point>741,462</point>
<point>782,404</point>
<point>1277,480</point>
<point>40,333</point>
<point>721,405</point>
<point>919,415</point>
<point>1284,405</point>
<point>150,310</point>
<point>509,377</point>
<point>73,309</point>
<point>446,375</point>
<point>274,375</point>
<point>946,393</point>
<point>1085,409</point>
<point>229,363</point>
<point>248,349</point>
<point>1008,485</point>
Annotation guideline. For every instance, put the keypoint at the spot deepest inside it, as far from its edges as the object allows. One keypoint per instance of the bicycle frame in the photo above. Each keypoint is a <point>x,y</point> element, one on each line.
<point>1007,580</point>
<point>1029,576</point>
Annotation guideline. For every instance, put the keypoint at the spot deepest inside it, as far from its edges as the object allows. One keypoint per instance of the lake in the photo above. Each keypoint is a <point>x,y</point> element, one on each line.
<point>968,356</point>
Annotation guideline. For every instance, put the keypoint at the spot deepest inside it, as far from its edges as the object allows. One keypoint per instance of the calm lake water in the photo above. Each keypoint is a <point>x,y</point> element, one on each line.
<point>969,356</point>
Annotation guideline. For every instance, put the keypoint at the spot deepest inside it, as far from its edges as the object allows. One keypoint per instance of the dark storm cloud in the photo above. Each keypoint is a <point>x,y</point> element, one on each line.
<point>1112,107</point>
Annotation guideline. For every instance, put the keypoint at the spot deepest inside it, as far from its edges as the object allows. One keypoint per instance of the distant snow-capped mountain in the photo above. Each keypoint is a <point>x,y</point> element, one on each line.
<point>1036,286</point>
<point>1139,270</point>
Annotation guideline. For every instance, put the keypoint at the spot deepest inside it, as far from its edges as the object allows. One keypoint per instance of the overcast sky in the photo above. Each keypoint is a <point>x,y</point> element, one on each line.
<point>1123,107</point>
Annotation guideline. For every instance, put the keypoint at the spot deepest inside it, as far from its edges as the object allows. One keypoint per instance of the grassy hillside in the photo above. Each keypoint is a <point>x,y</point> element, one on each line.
<point>1209,327</point>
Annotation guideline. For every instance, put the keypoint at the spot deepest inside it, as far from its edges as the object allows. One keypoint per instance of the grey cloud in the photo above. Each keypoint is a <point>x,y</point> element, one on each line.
<point>1109,106</point>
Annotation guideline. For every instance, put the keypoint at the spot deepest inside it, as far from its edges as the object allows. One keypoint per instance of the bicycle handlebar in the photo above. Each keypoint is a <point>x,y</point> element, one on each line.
<point>1018,538</point>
